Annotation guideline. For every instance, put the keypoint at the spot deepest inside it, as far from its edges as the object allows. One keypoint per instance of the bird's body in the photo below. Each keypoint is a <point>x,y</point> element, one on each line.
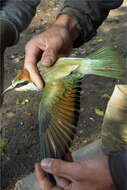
<point>59,106</point>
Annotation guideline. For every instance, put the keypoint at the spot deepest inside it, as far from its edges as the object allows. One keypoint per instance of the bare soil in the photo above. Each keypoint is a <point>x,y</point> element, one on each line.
<point>18,114</point>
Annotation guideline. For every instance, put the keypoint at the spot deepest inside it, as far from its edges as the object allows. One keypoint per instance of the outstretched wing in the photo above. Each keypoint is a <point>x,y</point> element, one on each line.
<point>58,114</point>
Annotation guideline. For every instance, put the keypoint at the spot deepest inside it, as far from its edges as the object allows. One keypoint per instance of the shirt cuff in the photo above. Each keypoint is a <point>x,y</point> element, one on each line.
<point>14,29</point>
<point>118,168</point>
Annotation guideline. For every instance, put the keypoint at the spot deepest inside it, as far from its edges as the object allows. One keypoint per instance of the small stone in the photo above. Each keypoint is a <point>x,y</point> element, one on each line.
<point>84,141</point>
<point>82,92</point>
<point>92,119</point>
<point>21,123</point>
<point>8,158</point>
<point>81,131</point>
<point>13,56</point>
<point>82,109</point>
<point>16,60</point>
<point>26,100</point>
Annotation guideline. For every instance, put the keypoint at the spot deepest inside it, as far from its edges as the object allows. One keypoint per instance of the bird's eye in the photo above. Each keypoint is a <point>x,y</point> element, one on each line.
<point>22,84</point>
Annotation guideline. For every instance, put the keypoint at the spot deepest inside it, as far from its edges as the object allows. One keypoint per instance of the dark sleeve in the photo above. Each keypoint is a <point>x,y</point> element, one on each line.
<point>18,13</point>
<point>118,168</point>
<point>90,14</point>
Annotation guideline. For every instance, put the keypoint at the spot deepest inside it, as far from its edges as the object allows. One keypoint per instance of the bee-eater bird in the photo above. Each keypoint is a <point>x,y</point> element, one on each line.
<point>59,106</point>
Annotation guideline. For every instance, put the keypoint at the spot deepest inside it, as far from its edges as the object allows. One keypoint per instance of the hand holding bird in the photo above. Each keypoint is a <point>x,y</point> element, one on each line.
<point>60,102</point>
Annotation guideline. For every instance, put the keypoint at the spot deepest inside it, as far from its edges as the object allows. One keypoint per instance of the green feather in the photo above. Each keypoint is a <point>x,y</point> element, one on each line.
<point>58,116</point>
<point>106,62</point>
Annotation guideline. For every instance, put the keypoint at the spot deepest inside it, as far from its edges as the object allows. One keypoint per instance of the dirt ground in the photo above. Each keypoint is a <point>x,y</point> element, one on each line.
<point>18,116</point>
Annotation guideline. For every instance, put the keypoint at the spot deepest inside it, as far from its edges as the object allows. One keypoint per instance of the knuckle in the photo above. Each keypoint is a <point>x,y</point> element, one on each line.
<point>56,165</point>
<point>50,52</point>
<point>54,40</point>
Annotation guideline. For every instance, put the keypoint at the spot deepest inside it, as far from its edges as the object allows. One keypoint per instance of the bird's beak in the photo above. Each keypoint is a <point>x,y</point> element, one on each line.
<point>8,89</point>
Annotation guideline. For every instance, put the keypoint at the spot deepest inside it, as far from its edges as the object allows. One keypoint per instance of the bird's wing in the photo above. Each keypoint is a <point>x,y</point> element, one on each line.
<point>58,114</point>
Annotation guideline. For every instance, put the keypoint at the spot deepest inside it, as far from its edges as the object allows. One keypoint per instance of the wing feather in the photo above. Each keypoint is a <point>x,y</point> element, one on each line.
<point>58,113</point>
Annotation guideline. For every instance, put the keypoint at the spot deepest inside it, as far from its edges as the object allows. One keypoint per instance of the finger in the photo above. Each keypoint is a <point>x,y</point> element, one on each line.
<point>62,182</point>
<point>69,170</point>
<point>43,182</point>
<point>31,65</point>
<point>34,74</point>
<point>49,57</point>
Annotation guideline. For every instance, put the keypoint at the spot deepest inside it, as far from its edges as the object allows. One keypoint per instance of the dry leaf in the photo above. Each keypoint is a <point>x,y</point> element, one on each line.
<point>97,41</point>
<point>28,113</point>
<point>10,115</point>
<point>25,101</point>
<point>17,101</point>
<point>105,95</point>
<point>99,112</point>
<point>3,144</point>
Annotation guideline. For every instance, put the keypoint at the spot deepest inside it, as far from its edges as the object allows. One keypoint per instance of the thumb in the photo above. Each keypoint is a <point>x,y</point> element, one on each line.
<point>68,170</point>
<point>41,178</point>
<point>49,57</point>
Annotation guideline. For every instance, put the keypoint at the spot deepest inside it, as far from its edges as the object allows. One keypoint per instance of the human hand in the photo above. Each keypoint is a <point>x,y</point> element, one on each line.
<point>91,174</point>
<point>55,42</point>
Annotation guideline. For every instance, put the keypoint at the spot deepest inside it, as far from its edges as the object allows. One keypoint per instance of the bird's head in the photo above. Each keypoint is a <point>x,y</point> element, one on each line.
<point>22,82</point>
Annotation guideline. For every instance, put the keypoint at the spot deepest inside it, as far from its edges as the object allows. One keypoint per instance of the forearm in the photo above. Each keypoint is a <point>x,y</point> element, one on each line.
<point>18,14</point>
<point>89,15</point>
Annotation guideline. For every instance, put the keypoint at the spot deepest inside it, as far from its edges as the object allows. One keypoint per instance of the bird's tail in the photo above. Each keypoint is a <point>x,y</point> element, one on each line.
<point>106,62</point>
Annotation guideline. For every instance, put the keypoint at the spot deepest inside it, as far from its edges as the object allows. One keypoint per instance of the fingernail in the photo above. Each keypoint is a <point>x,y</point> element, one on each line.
<point>46,163</point>
<point>47,61</point>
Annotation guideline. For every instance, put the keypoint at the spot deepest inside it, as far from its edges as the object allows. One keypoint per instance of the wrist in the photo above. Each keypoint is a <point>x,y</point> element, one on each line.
<point>68,22</point>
